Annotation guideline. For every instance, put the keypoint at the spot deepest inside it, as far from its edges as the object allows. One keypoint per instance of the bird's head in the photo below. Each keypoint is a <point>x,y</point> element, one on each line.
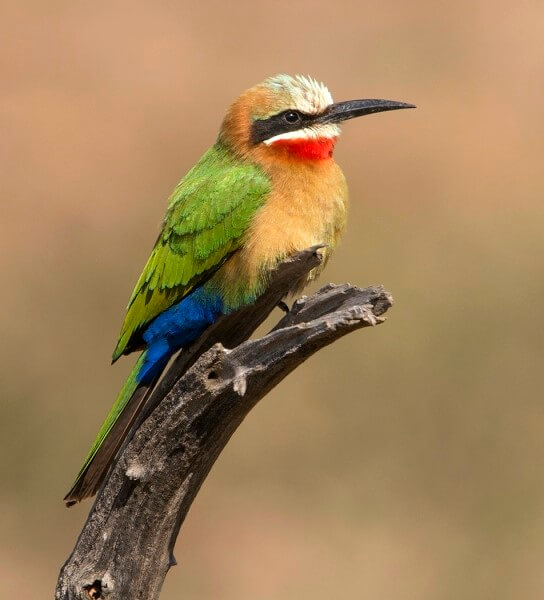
<point>292,117</point>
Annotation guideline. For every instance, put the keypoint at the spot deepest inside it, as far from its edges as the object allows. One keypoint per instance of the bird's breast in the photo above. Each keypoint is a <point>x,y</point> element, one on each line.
<point>306,206</point>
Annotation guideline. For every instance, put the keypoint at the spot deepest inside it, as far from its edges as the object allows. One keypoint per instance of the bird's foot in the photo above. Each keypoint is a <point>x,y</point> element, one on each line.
<point>281,304</point>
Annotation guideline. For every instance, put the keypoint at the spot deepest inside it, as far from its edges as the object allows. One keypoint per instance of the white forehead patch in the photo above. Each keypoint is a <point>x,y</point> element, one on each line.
<point>307,95</point>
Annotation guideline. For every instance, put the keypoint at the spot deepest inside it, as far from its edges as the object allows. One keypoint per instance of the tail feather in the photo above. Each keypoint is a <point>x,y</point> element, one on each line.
<point>113,432</point>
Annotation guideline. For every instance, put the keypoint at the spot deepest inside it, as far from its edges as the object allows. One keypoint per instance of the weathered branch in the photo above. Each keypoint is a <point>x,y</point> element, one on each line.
<point>126,546</point>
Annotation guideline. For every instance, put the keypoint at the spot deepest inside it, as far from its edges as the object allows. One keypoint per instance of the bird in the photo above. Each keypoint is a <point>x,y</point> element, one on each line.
<point>267,188</point>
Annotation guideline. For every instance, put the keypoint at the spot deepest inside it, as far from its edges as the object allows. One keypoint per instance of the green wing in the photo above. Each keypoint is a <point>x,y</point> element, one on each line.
<point>208,214</point>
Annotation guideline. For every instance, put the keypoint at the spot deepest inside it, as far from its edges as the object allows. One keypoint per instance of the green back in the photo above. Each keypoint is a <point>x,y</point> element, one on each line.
<point>208,213</point>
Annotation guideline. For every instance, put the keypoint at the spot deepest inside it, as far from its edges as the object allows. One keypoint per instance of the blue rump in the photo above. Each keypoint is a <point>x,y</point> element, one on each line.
<point>176,327</point>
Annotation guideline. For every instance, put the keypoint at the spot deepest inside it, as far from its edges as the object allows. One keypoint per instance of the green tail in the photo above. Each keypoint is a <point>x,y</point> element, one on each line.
<point>111,435</point>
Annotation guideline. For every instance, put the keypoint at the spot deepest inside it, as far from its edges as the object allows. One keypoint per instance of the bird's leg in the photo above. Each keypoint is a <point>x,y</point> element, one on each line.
<point>281,304</point>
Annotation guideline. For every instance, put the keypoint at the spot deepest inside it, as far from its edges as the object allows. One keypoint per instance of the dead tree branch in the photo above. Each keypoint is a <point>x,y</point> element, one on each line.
<point>126,546</point>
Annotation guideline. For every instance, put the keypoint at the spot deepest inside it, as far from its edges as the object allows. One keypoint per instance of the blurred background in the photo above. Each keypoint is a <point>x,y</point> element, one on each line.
<point>403,462</point>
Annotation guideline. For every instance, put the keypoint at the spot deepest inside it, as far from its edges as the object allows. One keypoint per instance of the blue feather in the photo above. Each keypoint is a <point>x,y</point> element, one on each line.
<point>176,327</point>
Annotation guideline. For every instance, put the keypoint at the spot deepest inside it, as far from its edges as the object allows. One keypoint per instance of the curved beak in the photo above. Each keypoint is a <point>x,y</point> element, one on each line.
<point>342,111</point>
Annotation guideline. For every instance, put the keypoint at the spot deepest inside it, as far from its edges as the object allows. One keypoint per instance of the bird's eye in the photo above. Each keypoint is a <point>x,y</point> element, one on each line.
<point>292,116</point>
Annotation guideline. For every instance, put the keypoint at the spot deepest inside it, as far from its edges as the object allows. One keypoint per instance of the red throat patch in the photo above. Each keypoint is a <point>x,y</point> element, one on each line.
<point>308,149</point>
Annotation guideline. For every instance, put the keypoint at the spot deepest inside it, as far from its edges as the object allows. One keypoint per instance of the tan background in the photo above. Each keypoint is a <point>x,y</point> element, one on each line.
<point>401,463</point>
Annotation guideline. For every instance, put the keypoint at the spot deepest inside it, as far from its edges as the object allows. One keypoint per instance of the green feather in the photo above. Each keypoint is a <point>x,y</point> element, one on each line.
<point>208,214</point>
<point>124,396</point>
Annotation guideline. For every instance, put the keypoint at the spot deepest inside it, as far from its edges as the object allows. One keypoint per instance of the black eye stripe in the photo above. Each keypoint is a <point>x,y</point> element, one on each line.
<point>263,129</point>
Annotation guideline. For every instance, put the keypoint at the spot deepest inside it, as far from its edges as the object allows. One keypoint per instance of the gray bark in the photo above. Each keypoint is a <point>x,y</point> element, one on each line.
<point>126,546</point>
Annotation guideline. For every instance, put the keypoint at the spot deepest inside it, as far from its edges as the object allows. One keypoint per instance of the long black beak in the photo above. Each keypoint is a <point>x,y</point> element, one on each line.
<point>342,111</point>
